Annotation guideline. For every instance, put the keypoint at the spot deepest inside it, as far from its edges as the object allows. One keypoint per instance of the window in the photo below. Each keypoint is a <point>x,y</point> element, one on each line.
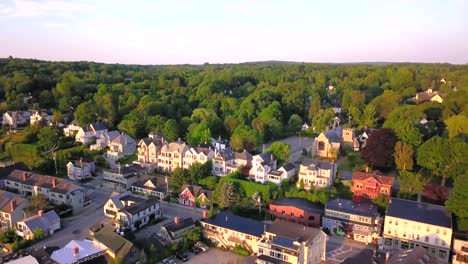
<point>426,239</point>
<point>260,250</point>
<point>321,145</point>
<point>390,221</point>
<point>272,254</point>
<point>428,228</point>
<point>292,214</point>
<point>437,231</point>
<point>396,222</point>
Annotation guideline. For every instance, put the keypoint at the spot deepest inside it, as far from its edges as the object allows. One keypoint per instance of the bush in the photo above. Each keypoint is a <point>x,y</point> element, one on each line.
<point>249,188</point>
<point>241,250</point>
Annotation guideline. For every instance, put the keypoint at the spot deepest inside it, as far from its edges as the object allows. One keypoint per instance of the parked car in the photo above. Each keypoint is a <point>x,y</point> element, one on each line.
<point>202,246</point>
<point>169,261</point>
<point>182,256</point>
<point>194,249</point>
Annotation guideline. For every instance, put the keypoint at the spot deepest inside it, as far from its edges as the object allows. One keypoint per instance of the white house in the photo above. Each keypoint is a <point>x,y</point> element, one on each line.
<point>41,116</point>
<point>262,164</point>
<point>48,222</point>
<point>104,139</point>
<point>200,154</point>
<point>123,145</point>
<point>316,174</point>
<point>79,169</point>
<point>90,131</point>
<point>78,251</point>
<point>71,129</point>
<point>14,118</point>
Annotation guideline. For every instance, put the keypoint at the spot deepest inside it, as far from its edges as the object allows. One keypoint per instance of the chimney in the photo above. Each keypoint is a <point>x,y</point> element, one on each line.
<point>76,250</point>
<point>24,176</point>
<point>367,169</point>
<point>205,214</point>
<point>13,205</point>
<point>176,220</point>
<point>54,183</point>
<point>40,213</point>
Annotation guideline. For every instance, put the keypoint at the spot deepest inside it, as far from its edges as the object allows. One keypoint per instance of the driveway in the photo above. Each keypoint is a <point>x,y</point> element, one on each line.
<point>339,249</point>
<point>216,255</point>
<point>297,145</point>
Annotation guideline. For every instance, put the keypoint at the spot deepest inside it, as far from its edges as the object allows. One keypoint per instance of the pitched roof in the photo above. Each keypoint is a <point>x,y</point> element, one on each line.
<point>334,135</point>
<point>286,231</point>
<point>42,222</point>
<point>416,255</point>
<point>62,186</point>
<point>8,167</point>
<point>114,242</point>
<point>348,206</point>
<point>198,190</point>
<point>5,204</point>
<point>226,154</point>
<point>388,180</point>
<point>124,140</point>
<point>237,223</point>
<point>244,155</point>
<point>176,146</point>
<point>24,260</point>
<point>420,212</point>
<point>85,247</point>
<point>300,203</point>
<point>140,206</point>
<point>317,164</point>
<point>158,182</point>
<point>98,126</point>
<point>184,223</point>
<point>289,166</point>
<point>112,134</point>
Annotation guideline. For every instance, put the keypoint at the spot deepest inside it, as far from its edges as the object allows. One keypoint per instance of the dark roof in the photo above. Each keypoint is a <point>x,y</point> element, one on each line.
<point>300,203</point>
<point>237,223</point>
<point>99,126</point>
<point>388,180</point>
<point>62,186</point>
<point>158,182</point>
<point>289,166</point>
<point>127,170</point>
<point>420,212</point>
<point>227,154</point>
<point>111,240</point>
<point>289,231</point>
<point>244,155</point>
<point>269,259</point>
<point>317,164</point>
<point>42,222</point>
<point>333,135</point>
<point>266,157</point>
<point>276,173</point>
<point>141,206</point>
<point>42,255</point>
<point>8,167</point>
<point>183,224</point>
<point>348,206</point>
<point>198,190</point>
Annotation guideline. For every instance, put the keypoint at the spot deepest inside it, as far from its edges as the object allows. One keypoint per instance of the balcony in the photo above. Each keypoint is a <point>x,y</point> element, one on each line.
<point>264,245</point>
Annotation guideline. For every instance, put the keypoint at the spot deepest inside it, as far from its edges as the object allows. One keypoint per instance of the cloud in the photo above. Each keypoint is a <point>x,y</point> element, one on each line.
<point>54,25</point>
<point>31,8</point>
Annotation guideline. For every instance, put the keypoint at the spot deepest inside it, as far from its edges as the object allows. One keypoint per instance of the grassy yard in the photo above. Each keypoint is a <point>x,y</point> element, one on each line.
<point>352,162</point>
<point>27,153</point>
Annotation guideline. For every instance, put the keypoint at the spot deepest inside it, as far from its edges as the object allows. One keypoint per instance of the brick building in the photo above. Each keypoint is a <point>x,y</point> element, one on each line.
<point>370,185</point>
<point>297,210</point>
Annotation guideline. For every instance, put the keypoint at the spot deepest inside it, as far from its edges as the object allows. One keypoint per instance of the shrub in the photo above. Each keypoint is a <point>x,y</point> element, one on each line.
<point>241,250</point>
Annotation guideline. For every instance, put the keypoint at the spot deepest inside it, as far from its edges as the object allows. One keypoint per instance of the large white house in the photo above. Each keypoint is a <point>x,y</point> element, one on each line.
<point>86,134</point>
<point>121,146</point>
<point>316,174</point>
<point>262,164</point>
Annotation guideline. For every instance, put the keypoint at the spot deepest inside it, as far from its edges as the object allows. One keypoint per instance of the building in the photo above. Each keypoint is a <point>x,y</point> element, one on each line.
<point>228,230</point>
<point>38,117</point>
<point>287,242</point>
<point>157,187</point>
<point>79,169</point>
<point>122,178</point>
<point>117,246</point>
<point>305,126</point>
<point>429,96</point>
<point>410,223</point>
<point>220,143</point>
<point>358,221</point>
<point>13,119</point>
<point>131,211</point>
<point>89,132</point>
<point>104,139</point>
<point>25,260</point>
<point>149,150</point>
<point>11,209</point>
<point>288,171</point>
<point>361,139</point>
<point>412,256</point>
<point>173,232</point>
<point>316,174</point>
<point>56,190</point>
<point>7,167</point>
<point>460,250</point>
<point>172,156</point>
<point>262,164</point>
<point>121,146</point>
<point>227,161</point>
<point>193,195</point>
<point>48,222</point>
<point>297,210</point>
<point>200,154</point>
<point>71,129</point>
<point>79,251</point>
<point>370,185</point>
<point>328,143</point>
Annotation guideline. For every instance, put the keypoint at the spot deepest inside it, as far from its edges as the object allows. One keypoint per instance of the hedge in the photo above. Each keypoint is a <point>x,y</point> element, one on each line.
<point>249,188</point>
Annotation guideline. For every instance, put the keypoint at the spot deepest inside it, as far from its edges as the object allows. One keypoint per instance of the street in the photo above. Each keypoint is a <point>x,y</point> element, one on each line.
<point>339,248</point>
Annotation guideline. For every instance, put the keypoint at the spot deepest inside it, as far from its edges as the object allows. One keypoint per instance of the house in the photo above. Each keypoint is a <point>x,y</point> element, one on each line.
<point>262,164</point>
<point>288,170</point>
<point>460,250</point>
<point>121,146</point>
<point>79,169</point>
<point>193,195</point>
<point>79,251</point>
<point>283,173</point>
<point>11,209</point>
<point>24,260</point>
<point>228,230</point>
<point>6,167</point>
<point>48,222</point>
<point>71,129</point>
<point>328,143</point>
<point>297,210</point>
<point>116,245</point>
<point>104,140</point>
<point>409,224</point>
<point>305,126</point>
<point>121,178</point>
<point>429,96</point>
<point>131,211</point>
<point>358,221</point>
<point>173,232</point>
<point>13,119</point>
<point>89,132</point>
<point>157,187</point>
<point>41,116</point>
<point>316,174</point>
<point>220,143</point>
<point>56,190</point>
<point>219,161</point>
<point>227,161</point>
<point>287,242</point>
<point>149,150</point>
<point>172,156</point>
<point>370,185</point>
<point>361,139</point>
<point>200,154</point>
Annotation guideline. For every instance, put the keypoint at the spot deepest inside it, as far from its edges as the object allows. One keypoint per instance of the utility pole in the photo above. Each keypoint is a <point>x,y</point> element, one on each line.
<point>55,162</point>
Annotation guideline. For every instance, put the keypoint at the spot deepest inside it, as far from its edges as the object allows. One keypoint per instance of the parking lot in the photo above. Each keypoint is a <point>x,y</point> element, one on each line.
<point>216,255</point>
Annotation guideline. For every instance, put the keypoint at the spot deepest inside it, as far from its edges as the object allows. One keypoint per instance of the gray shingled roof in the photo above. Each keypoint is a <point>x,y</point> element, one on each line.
<point>237,223</point>
<point>351,207</point>
<point>334,135</point>
<point>289,166</point>
<point>420,212</point>
<point>43,222</point>
<point>317,164</point>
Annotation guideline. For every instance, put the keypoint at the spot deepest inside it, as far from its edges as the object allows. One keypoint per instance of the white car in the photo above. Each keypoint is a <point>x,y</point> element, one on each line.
<point>202,246</point>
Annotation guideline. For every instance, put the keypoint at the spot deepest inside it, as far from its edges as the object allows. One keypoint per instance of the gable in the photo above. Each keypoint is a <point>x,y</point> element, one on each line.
<point>187,193</point>
<point>203,195</point>
<point>149,183</point>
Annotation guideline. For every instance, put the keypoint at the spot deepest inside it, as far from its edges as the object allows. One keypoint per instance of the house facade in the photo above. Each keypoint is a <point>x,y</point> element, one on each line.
<point>262,164</point>
<point>173,232</point>
<point>131,211</point>
<point>12,206</point>
<point>328,143</point>
<point>371,185</point>
<point>197,155</point>
<point>429,96</point>
<point>316,174</point>
<point>56,190</point>
<point>460,251</point>
<point>104,140</point>
<point>71,129</point>
<point>220,160</point>
<point>195,196</point>
<point>172,156</point>
<point>358,221</point>
<point>157,187</point>
<point>121,146</point>
<point>79,169</point>
<point>40,116</point>
<point>89,132</point>
<point>409,224</point>
<point>122,178</point>
<point>297,210</point>
<point>149,149</point>
<point>13,119</point>
<point>287,242</point>
<point>48,222</point>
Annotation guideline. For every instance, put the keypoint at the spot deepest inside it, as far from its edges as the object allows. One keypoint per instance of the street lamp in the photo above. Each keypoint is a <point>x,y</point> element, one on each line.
<point>259,201</point>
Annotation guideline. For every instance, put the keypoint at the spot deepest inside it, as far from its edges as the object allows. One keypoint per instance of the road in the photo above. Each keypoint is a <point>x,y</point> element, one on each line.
<point>339,248</point>
<point>297,145</point>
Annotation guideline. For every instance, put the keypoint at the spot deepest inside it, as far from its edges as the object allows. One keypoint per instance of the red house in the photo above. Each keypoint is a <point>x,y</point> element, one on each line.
<point>297,210</point>
<point>370,185</point>
<point>193,195</point>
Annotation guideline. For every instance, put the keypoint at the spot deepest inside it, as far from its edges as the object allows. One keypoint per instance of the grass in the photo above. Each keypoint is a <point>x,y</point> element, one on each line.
<point>352,162</point>
<point>27,153</point>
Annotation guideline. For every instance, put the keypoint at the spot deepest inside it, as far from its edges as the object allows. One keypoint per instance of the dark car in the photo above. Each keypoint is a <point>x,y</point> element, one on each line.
<point>182,256</point>
<point>194,249</point>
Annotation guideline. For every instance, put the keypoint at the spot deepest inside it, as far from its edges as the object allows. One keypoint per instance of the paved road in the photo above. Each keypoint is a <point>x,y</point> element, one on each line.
<point>338,249</point>
<point>297,145</point>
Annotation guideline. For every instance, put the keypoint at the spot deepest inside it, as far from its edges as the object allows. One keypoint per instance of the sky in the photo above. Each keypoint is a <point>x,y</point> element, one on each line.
<point>217,31</point>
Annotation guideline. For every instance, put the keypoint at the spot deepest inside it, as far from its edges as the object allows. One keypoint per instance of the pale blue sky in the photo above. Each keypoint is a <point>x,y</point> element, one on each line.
<point>187,31</point>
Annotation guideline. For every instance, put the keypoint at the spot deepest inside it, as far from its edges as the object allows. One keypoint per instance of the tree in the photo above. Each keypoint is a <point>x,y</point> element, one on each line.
<point>225,195</point>
<point>193,235</point>
<point>243,138</point>
<point>410,183</point>
<point>385,103</point>
<point>197,134</point>
<point>456,202</point>
<point>86,113</point>
<point>323,119</point>
<point>7,236</point>
<point>36,203</point>
<point>404,156</point>
<point>281,150</point>
<point>179,177</point>
<point>434,154</point>
<point>315,106</point>
<point>48,136</point>
<point>57,117</point>
<point>380,148</point>
<point>382,201</point>
<point>294,123</point>
<point>170,130</point>
<point>457,125</point>
<point>38,234</point>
